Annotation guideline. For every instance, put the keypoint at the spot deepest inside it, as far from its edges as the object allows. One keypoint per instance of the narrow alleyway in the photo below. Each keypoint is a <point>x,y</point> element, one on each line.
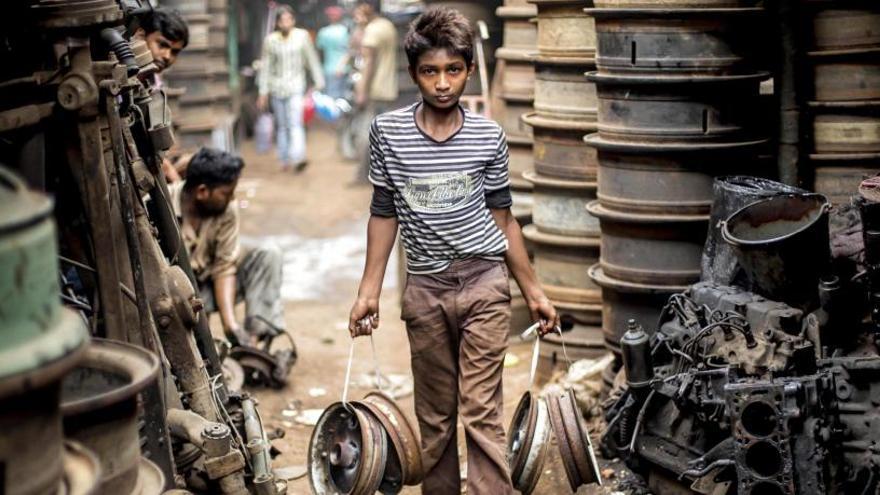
<point>318,218</point>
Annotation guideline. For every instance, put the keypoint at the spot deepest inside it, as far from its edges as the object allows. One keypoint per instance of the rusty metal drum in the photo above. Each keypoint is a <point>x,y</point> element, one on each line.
<point>99,402</point>
<point>647,180</point>
<point>837,176</point>
<point>559,148</point>
<point>520,27</point>
<point>836,28</point>
<point>677,41</point>
<point>199,81</point>
<point>559,264</point>
<point>518,77</point>
<point>510,119</point>
<point>520,152</point>
<point>561,90</point>
<point>659,249</point>
<point>564,29</point>
<point>849,75</point>
<point>560,206</point>
<point>679,110</point>
<point>198,31</point>
<point>846,127</point>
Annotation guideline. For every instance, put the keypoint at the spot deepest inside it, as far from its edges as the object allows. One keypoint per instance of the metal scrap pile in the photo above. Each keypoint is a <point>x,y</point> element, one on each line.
<point>765,383</point>
<point>122,391</point>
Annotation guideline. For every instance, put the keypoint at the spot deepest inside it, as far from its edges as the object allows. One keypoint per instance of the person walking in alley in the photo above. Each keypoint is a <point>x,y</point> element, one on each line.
<point>333,41</point>
<point>376,90</point>
<point>224,270</point>
<point>440,174</point>
<point>287,54</point>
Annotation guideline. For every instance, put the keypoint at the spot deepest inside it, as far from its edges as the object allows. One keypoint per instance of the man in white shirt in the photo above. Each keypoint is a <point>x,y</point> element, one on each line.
<point>287,53</point>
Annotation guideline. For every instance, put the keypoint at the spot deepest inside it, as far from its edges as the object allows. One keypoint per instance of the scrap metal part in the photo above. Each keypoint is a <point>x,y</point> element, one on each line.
<point>347,452</point>
<point>528,441</point>
<point>572,438</point>
<point>99,402</point>
<point>401,434</point>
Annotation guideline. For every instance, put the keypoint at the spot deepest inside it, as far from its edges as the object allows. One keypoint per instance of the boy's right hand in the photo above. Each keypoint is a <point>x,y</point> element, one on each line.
<point>364,317</point>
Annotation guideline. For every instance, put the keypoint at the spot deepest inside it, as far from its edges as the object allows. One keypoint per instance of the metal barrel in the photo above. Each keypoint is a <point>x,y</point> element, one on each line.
<point>844,62</point>
<point>205,110</point>
<point>565,236</point>
<point>559,264</point>
<point>41,342</point>
<point>695,41</point>
<point>679,103</point>
<point>99,401</point>
<point>565,30</point>
<point>515,87</point>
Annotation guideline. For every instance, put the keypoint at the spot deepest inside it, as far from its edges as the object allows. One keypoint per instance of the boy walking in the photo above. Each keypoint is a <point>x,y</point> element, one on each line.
<point>440,175</point>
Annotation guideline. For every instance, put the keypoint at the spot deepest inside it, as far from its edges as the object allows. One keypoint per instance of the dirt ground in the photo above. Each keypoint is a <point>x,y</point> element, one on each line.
<point>318,218</point>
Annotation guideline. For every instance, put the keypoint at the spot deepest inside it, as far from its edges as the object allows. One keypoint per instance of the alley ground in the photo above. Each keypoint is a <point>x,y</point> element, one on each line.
<point>318,218</point>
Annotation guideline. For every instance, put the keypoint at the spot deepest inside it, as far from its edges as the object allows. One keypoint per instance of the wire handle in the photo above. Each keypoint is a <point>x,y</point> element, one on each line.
<point>347,374</point>
<point>534,366</point>
<point>345,386</point>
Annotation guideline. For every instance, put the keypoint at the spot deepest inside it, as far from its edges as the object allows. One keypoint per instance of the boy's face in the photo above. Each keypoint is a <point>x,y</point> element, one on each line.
<point>441,77</point>
<point>164,50</point>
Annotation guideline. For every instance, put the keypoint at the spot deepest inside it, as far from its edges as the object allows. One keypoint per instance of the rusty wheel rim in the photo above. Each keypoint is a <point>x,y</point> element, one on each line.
<point>581,447</point>
<point>404,439</point>
<point>562,441</point>
<point>375,459</point>
<point>528,442</point>
<point>347,452</point>
<point>519,436</point>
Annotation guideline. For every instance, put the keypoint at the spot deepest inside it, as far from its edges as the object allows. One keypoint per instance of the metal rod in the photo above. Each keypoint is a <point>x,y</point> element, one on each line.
<point>788,85</point>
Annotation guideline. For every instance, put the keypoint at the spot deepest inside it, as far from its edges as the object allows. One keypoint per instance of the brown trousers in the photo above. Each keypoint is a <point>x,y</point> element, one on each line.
<point>457,322</point>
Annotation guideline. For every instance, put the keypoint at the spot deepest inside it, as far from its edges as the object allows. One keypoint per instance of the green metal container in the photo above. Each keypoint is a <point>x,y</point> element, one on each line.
<point>40,340</point>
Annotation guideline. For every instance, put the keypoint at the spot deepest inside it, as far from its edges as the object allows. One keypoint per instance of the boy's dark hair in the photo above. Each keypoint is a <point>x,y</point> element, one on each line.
<point>212,168</point>
<point>280,11</point>
<point>439,27</point>
<point>167,21</point>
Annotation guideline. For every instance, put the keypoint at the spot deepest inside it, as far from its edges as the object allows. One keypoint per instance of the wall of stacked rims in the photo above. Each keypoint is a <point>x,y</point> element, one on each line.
<point>679,91</point>
<point>843,70</point>
<point>564,234</point>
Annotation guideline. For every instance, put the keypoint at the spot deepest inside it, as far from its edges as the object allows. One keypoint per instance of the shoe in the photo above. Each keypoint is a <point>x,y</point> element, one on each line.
<point>300,166</point>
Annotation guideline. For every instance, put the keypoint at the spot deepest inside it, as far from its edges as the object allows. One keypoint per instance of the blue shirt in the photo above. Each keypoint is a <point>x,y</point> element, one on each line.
<point>333,42</point>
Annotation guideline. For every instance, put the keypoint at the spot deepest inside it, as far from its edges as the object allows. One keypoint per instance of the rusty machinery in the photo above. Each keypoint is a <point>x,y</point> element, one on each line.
<point>80,119</point>
<point>767,384</point>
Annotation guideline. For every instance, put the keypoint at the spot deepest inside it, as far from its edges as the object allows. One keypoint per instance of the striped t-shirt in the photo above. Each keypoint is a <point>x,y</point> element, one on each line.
<point>439,188</point>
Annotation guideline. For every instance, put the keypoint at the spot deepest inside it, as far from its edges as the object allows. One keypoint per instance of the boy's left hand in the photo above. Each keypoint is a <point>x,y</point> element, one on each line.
<point>542,311</point>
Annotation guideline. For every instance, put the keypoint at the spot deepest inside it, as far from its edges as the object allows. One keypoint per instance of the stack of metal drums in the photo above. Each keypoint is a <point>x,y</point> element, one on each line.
<point>199,81</point>
<point>678,92</point>
<point>516,90</point>
<point>565,236</point>
<point>41,342</point>
<point>844,57</point>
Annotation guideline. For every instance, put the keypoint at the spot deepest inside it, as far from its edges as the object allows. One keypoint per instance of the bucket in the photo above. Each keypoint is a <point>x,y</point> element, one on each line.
<point>782,245</point>
<point>731,193</point>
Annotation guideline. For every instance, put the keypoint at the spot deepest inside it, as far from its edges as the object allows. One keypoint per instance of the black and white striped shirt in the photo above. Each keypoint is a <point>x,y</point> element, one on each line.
<point>440,189</point>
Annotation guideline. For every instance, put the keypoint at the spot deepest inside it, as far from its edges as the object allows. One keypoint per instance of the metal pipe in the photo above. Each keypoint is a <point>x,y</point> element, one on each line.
<point>790,93</point>
<point>256,441</point>
<point>134,250</point>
